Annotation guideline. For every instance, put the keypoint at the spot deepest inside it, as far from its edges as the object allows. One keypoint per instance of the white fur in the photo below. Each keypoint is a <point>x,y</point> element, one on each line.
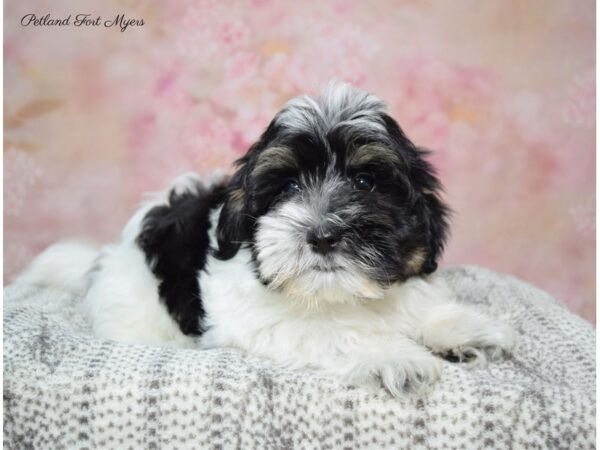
<point>284,257</point>
<point>321,311</point>
<point>340,104</point>
<point>386,336</point>
<point>121,294</point>
<point>62,266</point>
<point>123,302</point>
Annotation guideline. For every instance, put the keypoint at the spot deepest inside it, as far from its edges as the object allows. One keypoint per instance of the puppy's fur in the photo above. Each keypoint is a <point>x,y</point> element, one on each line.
<point>317,253</point>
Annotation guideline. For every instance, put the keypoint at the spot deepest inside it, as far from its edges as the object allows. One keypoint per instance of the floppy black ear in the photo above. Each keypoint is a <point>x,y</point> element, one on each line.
<point>427,189</point>
<point>236,221</point>
<point>234,225</point>
<point>435,212</point>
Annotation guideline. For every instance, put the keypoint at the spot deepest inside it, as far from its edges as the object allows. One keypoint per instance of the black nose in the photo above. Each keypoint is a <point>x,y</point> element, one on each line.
<point>322,241</point>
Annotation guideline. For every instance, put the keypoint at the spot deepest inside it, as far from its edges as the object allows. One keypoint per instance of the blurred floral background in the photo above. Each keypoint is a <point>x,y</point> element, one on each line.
<point>502,91</point>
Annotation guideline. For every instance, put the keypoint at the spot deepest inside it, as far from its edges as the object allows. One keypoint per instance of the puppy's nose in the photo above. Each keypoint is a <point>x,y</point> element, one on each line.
<point>322,241</point>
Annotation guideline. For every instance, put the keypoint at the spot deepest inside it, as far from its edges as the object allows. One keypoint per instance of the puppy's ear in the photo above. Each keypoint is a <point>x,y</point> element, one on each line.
<point>427,190</point>
<point>434,211</point>
<point>237,217</point>
<point>234,225</point>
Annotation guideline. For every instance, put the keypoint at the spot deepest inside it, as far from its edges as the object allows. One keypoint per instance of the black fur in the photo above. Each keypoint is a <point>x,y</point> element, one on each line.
<point>403,215</point>
<point>236,222</point>
<point>174,238</point>
<point>402,218</point>
<point>429,206</point>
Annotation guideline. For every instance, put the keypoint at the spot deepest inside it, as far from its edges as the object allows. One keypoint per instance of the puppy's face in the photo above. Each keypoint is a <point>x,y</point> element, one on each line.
<point>334,201</point>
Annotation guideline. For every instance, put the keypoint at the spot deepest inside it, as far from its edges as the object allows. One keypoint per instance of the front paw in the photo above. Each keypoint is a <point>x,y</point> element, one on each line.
<point>410,376</point>
<point>490,343</point>
<point>473,356</point>
<point>462,334</point>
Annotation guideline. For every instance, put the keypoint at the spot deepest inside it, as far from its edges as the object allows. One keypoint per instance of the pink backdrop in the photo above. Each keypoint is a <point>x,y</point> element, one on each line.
<point>503,92</point>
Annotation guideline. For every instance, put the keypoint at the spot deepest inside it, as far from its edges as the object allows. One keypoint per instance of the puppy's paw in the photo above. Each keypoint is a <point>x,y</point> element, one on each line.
<point>491,343</point>
<point>473,356</point>
<point>410,376</point>
<point>462,334</point>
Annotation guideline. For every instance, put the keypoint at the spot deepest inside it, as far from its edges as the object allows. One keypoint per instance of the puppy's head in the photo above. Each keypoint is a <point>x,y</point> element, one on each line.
<point>334,201</point>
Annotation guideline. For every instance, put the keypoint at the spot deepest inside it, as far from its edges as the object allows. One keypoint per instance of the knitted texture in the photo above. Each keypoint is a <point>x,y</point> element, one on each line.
<point>65,389</point>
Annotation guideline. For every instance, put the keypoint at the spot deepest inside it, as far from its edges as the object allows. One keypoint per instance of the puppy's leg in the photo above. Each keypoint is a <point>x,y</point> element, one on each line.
<point>461,334</point>
<point>455,331</point>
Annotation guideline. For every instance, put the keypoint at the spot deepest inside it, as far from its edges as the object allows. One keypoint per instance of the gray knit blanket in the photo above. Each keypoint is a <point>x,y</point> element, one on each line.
<point>65,389</point>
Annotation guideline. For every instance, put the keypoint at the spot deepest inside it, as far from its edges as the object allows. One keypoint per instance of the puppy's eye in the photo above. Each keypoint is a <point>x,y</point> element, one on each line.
<point>364,182</point>
<point>291,186</point>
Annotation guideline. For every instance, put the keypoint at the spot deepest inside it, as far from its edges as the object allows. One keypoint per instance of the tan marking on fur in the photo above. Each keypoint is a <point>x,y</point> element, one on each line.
<point>370,289</point>
<point>304,297</point>
<point>366,153</point>
<point>237,195</point>
<point>416,260</point>
<point>274,158</point>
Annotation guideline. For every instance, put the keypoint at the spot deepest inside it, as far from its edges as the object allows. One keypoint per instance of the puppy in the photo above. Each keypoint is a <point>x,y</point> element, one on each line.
<point>317,253</point>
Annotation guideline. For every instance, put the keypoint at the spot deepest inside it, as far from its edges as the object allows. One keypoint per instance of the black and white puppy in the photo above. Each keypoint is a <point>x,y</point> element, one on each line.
<point>316,253</point>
